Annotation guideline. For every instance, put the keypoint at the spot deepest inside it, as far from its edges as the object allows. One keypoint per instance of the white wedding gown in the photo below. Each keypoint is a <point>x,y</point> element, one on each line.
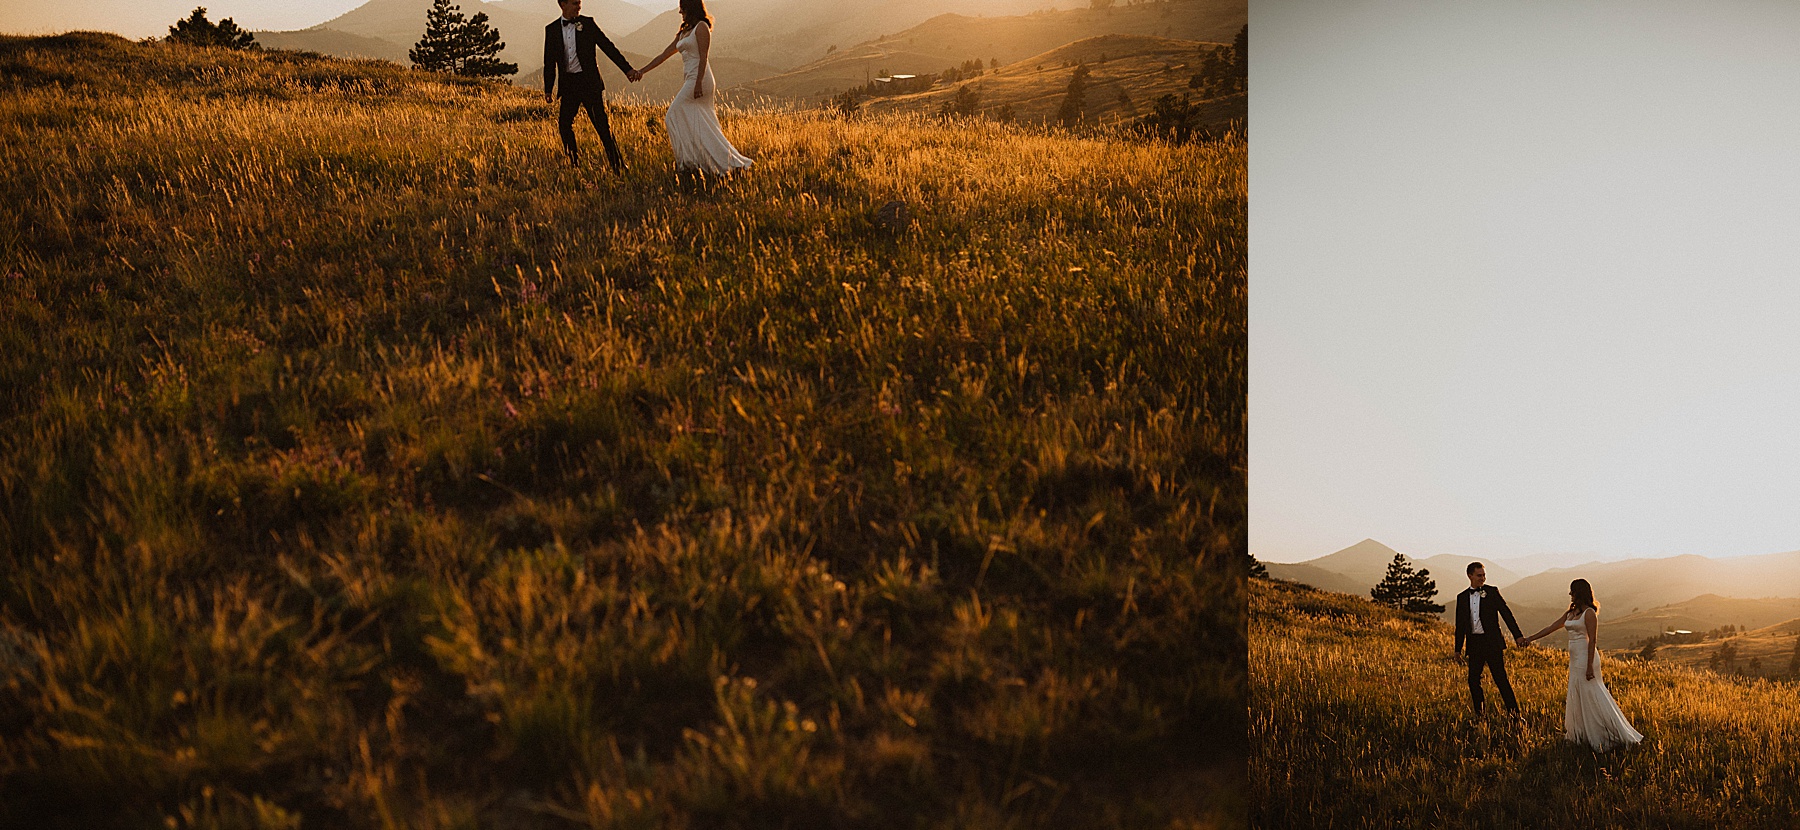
<point>693,128</point>
<point>1591,717</point>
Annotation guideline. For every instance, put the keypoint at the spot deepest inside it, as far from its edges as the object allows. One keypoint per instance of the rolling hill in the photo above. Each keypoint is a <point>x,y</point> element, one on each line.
<point>1127,74</point>
<point>789,33</point>
<point>1360,719</point>
<point>1360,566</point>
<point>1757,654</point>
<point>1652,583</point>
<point>337,43</point>
<point>951,39</point>
<point>1703,613</point>
<point>1639,597</point>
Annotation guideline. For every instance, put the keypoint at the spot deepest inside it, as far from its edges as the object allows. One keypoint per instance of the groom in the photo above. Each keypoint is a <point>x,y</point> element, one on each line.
<point>569,43</point>
<point>1479,611</point>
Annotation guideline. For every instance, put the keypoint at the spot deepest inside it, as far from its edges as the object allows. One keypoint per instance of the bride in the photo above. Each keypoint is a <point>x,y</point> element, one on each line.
<point>693,128</point>
<point>1591,716</point>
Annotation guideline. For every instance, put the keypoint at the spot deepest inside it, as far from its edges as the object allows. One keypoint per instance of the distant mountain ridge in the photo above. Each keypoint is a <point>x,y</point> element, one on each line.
<point>388,29</point>
<point>1638,596</point>
<point>1365,563</point>
<point>789,33</point>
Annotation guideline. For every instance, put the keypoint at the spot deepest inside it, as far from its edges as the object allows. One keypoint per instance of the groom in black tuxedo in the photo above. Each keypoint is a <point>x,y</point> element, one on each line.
<point>569,43</point>
<point>1479,611</point>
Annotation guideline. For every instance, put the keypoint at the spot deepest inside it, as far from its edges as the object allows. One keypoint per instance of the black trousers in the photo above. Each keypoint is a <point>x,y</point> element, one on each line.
<point>583,89</point>
<point>1492,656</point>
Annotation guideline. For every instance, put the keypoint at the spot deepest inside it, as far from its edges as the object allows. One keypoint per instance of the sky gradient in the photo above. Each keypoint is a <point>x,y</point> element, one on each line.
<point>1524,279</point>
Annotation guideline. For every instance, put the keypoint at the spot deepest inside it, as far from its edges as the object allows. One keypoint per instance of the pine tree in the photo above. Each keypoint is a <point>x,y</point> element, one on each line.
<point>1257,568</point>
<point>1724,656</point>
<point>1405,589</point>
<point>965,103</point>
<point>196,30</point>
<point>459,44</point>
<point>436,51</point>
<point>1240,57</point>
<point>1074,105</point>
<point>482,48</point>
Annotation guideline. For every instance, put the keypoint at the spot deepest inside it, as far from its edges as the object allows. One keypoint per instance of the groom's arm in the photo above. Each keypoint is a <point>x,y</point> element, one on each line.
<point>612,51</point>
<point>1506,614</point>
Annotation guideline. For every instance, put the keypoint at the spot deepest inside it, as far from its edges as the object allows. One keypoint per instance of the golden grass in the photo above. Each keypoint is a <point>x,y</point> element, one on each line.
<point>1360,718</point>
<point>365,466</point>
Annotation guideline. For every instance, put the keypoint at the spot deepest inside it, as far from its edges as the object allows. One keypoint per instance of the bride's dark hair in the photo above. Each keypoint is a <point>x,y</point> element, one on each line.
<point>1581,596</point>
<point>693,13</point>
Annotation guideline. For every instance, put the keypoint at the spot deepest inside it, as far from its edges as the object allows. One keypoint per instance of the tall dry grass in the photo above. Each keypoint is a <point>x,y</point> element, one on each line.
<point>365,466</point>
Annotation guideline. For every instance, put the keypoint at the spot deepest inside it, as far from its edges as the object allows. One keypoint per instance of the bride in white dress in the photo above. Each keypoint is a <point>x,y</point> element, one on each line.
<point>693,127</point>
<point>1590,717</point>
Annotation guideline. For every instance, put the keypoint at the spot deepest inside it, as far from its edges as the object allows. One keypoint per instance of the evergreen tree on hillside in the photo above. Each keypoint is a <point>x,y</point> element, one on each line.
<point>1240,57</point>
<point>436,51</point>
<point>965,103</point>
<point>1257,568</point>
<point>1724,657</point>
<point>1074,105</point>
<point>196,30</point>
<point>1406,589</point>
<point>459,44</point>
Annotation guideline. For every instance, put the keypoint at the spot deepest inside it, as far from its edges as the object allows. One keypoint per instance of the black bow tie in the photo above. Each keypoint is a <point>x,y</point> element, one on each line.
<point>568,22</point>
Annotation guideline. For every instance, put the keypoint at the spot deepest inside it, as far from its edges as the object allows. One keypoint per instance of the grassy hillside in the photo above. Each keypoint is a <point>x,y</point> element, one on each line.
<point>1766,653</point>
<point>362,465</point>
<point>1128,73</point>
<point>952,39</point>
<point>1359,718</point>
<point>328,41</point>
<point>1702,613</point>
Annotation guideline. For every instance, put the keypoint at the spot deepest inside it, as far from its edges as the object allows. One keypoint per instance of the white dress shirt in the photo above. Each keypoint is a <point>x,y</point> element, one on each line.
<point>1475,612</point>
<point>569,56</point>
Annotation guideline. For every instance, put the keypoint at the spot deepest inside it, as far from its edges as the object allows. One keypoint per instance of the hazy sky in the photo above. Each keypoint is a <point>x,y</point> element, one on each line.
<point>144,18</point>
<point>1525,278</point>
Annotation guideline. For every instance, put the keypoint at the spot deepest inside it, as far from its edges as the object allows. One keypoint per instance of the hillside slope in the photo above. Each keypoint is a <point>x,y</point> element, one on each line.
<point>1127,74</point>
<point>953,39</point>
<point>1649,583</point>
<point>1704,613</point>
<point>1359,719</point>
<point>790,33</point>
<point>365,465</point>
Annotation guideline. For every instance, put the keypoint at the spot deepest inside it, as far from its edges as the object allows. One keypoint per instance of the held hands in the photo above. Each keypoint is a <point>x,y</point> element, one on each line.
<point>635,75</point>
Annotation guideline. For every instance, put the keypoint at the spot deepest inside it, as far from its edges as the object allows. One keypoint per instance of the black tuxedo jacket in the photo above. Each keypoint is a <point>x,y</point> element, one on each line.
<point>1493,610</point>
<point>587,36</point>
